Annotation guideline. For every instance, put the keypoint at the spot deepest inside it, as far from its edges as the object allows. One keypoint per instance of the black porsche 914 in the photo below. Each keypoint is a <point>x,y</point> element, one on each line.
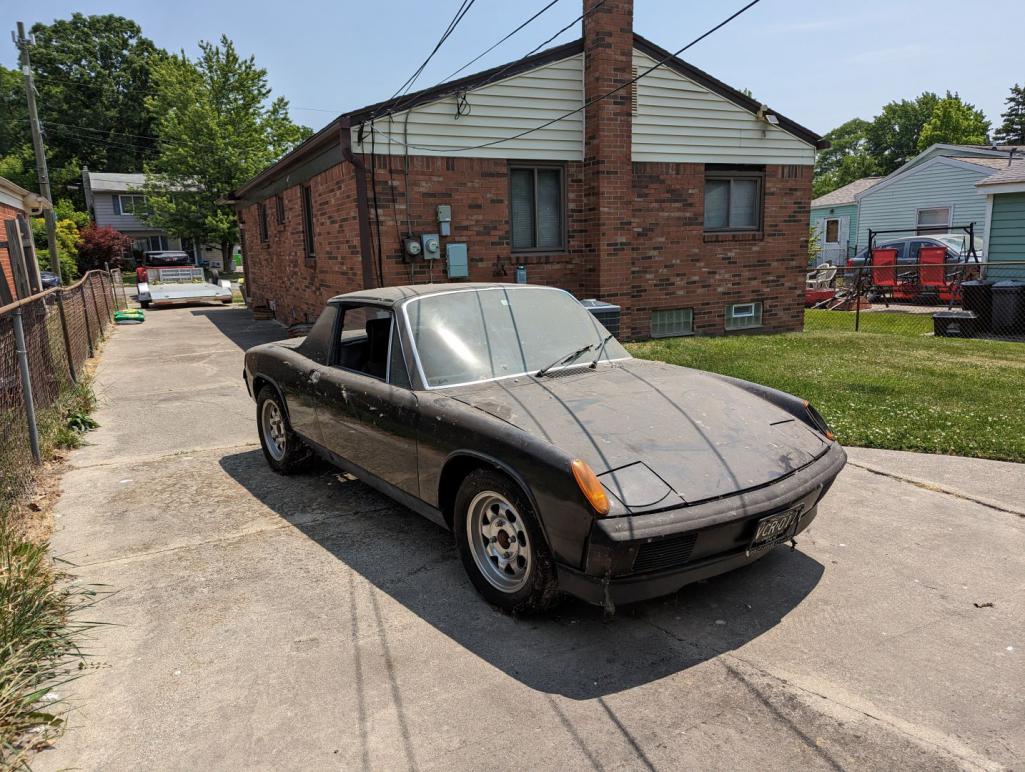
<point>508,414</point>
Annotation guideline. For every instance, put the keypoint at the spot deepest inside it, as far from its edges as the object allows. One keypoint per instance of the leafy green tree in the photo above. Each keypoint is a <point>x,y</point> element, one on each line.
<point>218,127</point>
<point>1012,130</point>
<point>92,74</point>
<point>954,122</point>
<point>892,136</point>
<point>845,160</point>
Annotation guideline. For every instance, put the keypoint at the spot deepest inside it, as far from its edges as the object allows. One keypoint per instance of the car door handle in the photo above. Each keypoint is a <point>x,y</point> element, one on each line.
<point>313,376</point>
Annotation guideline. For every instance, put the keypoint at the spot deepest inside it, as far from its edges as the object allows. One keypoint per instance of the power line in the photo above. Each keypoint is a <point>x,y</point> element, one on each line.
<point>496,45</point>
<point>589,102</point>
<point>464,7</point>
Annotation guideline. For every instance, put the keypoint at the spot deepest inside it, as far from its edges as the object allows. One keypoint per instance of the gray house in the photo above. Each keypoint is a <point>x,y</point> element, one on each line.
<point>116,200</point>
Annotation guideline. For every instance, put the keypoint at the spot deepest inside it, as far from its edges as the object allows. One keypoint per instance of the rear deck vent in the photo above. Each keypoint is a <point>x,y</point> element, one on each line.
<point>670,552</point>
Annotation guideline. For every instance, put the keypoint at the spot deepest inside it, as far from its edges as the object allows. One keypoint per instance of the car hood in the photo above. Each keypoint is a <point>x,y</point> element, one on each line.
<point>656,434</point>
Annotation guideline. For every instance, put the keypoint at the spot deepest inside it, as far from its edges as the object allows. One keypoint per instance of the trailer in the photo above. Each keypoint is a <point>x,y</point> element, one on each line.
<point>174,285</point>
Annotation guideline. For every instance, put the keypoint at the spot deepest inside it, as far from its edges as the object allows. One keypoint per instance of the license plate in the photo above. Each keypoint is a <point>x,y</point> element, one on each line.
<point>775,529</point>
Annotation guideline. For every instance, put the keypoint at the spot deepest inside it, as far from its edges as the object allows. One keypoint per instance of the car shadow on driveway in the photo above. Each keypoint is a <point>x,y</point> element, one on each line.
<point>571,651</point>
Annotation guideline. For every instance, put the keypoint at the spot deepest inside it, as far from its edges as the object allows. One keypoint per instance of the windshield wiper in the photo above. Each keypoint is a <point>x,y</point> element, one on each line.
<point>565,360</point>
<point>601,350</point>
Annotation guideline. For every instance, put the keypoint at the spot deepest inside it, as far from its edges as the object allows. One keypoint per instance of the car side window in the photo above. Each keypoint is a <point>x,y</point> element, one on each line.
<point>398,375</point>
<point>362,344</point>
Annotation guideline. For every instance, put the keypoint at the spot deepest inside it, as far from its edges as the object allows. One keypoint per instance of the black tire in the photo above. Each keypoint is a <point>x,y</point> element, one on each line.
<point>144,303</point>
<point>538,590</point>
<point>287,454</point>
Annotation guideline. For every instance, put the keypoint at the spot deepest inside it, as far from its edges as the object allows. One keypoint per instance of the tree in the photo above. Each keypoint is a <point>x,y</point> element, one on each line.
<point>954,122</point>
<point>100,246</point>
<point>892,136</point>
<point>92,74</point>
<point>1012,130</point>
<point>218,128</point>
<point>845,160</point>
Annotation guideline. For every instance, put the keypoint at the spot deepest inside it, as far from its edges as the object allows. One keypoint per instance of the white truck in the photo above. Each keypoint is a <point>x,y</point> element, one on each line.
<point>169,278</point>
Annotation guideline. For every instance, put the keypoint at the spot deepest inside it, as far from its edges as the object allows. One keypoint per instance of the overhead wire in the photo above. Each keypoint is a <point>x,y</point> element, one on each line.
<point>589,102</point>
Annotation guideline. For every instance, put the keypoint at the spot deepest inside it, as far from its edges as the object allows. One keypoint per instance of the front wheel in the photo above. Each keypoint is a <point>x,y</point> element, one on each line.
<point>501,546</point>
<point>144,303</point>
<point>282,448</point>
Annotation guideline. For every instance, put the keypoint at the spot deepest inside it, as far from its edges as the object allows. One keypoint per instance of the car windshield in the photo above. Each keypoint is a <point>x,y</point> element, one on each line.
<point>168,258</point>
<point>478,335</point>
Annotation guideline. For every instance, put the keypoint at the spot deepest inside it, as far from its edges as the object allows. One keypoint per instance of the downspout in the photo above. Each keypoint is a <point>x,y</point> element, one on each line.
<point>362,205</point>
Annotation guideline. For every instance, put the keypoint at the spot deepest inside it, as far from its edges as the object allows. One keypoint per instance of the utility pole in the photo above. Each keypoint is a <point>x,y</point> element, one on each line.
<point>37,144</point>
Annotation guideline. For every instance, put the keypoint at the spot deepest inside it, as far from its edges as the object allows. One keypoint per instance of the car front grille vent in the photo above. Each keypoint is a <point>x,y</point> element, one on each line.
<point>670,552</point>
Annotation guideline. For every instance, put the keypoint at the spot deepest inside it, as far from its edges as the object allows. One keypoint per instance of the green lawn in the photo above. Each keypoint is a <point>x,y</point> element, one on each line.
<point>901,390</point>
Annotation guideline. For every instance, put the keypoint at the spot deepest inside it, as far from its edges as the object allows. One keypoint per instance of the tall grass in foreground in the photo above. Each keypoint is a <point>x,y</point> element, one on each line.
<point>40,628</point>
<point>40,640</point>
<point>40,637</point>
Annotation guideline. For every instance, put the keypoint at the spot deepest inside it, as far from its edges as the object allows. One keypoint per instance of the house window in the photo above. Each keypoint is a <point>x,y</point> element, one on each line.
<point>672,322</point>
<point>742,316</point>
<point>733,198</point>
<point>934,220</point>
<point>832,232</point>
<point>261,221</point>
<point>537,208</point>
<point>279,209</point>
<point>131,203</point>
<point>308,240</point>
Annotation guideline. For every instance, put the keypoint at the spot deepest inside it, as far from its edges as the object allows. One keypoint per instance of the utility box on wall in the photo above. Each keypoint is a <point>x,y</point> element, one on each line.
<point>458,261</point>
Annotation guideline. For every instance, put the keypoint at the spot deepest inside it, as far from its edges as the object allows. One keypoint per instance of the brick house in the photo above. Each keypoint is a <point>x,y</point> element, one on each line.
<point>678,197</point>
<point>16,204</point>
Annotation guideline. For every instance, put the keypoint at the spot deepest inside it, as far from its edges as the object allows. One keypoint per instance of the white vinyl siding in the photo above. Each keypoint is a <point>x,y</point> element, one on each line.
<point>938,185</point>
<point>678,120</point>
<point>496,111</point>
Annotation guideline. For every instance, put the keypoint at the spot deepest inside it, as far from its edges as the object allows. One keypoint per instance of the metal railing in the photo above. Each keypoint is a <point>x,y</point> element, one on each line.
<point>45,341</point>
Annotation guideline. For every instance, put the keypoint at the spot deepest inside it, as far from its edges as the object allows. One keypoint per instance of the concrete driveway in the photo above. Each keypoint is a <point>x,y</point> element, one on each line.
<point>269,622</point>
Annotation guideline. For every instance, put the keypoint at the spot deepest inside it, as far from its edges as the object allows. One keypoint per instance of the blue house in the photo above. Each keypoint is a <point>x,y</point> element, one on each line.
<point>834,217</point>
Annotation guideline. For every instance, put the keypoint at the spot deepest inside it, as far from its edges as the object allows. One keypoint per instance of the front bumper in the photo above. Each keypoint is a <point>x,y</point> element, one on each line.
<point>634,558</point>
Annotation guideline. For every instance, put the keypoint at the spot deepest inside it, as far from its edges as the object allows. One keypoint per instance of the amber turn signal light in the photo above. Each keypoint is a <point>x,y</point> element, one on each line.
<point>590,486</point>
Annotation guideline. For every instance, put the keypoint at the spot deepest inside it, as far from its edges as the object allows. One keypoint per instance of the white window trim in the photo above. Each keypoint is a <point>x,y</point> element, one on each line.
<point>757,310</point>
<point>950,216</point>
<point>825,231</point>
<point>121,203</point>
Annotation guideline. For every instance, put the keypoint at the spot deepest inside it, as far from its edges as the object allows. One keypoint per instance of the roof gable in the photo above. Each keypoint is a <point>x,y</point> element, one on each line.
<point>938,161</point>
<point>846,194</point>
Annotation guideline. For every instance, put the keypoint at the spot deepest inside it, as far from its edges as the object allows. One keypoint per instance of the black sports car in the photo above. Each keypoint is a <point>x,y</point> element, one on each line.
<point>508,414</point>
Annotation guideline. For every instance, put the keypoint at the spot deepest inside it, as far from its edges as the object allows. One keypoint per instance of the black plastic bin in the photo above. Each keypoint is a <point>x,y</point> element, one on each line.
<point>977,297</point>
<point>1009,307</point>
<point>606,313</point>
<point>954,324</point>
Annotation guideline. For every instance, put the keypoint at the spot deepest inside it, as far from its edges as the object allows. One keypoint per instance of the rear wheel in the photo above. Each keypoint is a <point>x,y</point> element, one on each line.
<point>144,303</point>
<point>282,448</point>
<point>501,546</point>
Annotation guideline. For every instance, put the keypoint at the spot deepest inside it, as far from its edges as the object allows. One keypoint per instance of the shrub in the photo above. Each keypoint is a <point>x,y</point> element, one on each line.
<point>99,246</point>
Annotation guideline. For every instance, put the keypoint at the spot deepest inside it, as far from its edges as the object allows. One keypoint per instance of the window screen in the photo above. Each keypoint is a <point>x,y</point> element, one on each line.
<point>261,221</point>
<point>536,208</point>
<point>672,322</point>
<point>740,316</point>
<point>937,218</point>
<point>733,199</point>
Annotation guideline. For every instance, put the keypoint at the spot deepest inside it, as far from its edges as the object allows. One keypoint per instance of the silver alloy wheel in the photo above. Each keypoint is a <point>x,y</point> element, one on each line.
<point>498,541</point>
<point>272,423</point>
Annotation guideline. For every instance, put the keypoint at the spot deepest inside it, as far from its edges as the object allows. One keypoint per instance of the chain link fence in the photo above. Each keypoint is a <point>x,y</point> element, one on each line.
<point>45,341</point>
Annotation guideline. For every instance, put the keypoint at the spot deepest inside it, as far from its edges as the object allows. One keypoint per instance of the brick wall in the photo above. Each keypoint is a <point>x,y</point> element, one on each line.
<point>675,264</point>
<point>7,213</point>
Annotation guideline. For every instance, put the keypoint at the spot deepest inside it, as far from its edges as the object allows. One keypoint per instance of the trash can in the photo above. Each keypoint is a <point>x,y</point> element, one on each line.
<point>606,313</point>
<point>977,297</point>
<point>1009,307</point>
<point>954,324</point>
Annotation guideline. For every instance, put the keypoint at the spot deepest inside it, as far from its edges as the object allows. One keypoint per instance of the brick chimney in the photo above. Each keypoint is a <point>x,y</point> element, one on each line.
<point>608,63</point>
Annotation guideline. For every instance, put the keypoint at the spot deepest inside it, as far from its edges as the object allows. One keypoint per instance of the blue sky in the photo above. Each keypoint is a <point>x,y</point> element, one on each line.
<point>819,63</point>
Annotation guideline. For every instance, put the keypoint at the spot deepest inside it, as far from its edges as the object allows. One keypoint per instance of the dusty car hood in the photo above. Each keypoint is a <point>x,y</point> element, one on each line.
<point>655,433</point>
